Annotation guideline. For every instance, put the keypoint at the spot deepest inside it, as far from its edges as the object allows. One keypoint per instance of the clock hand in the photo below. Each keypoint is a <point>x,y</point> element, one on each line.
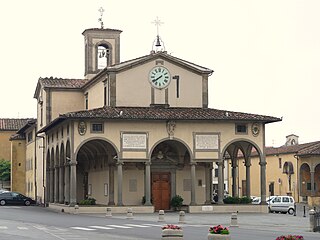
<point>157,79</point>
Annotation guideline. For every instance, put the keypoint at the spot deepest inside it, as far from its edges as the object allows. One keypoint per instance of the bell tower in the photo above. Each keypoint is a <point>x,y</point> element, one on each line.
<point>102,48</point>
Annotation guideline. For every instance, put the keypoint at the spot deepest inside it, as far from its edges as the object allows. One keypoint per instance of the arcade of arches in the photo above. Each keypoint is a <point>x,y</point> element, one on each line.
<point>96,170</point>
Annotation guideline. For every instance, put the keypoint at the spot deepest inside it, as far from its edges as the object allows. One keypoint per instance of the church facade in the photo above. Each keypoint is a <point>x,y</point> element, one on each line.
<point>137,132</point>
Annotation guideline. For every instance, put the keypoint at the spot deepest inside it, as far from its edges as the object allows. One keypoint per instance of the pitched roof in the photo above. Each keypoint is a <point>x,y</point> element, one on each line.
<point>158,113</point>
<point>288,149</point>
<point>13,124</point>
<point>62,82</point>
<point>313,149</point>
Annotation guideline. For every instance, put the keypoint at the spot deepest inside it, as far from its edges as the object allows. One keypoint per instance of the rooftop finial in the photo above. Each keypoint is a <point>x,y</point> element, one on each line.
<point>158,41</point>
<point>101,10</point>
<point>157,22</point>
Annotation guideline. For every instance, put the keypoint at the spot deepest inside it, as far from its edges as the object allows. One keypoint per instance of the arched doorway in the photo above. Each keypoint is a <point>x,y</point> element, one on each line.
<point>167,158</point>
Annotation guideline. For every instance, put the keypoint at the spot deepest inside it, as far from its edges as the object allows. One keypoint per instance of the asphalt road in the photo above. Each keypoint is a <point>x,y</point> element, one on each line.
<point>41,223</point>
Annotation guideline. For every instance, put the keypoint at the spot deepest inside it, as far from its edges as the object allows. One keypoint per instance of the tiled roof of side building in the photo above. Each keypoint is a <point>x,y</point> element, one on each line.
<point>13,124</point>
<point>313,149</point>
<point>63,83</point>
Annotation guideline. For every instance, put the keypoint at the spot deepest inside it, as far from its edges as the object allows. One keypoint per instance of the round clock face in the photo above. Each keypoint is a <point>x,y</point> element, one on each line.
<point>159,77</point>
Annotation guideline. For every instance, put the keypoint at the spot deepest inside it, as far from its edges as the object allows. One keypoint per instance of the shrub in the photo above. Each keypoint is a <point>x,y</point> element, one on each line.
<point>237,200</point>
<point>88,201</point>
<point>176,202</point>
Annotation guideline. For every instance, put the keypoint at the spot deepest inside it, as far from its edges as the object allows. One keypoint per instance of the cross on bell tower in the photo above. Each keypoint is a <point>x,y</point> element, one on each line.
<point>101,10</point>
<point>158,44</point>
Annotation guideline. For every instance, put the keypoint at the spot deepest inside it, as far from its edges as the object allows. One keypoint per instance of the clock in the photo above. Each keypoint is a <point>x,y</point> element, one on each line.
<point>159,77</point>
<point>82,128</point>
<point>255,129</point>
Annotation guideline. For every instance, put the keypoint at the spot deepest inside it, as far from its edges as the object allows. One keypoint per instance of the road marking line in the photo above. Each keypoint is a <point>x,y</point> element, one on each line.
<point>23,228</point>
<point>139,226</point>
<point>3,227</point>
<point>118,226</point>
<point>83,228</point>
<point>152,225</point>
<point>100,227</point>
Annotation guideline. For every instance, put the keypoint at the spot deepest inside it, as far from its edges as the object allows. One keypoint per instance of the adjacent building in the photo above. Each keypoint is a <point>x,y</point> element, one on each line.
<point>292,169</point>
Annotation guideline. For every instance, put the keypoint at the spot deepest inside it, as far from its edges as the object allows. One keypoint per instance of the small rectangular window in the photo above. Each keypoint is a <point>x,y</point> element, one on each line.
<point>216,172</point>
<point>280,163</point>
<point>97,127</point>
<point>241,129</point>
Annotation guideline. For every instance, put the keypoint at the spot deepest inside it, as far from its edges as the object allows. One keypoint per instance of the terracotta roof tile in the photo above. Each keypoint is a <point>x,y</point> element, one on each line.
<point>13,124</point>
<point>158,113</point>
<point>62,83</point>
<point>313,149</point>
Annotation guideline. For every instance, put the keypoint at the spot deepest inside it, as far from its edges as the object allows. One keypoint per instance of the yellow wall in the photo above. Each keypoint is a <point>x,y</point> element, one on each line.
<point>18,163</point>
<point>5,145</point>
<point>273,174</point>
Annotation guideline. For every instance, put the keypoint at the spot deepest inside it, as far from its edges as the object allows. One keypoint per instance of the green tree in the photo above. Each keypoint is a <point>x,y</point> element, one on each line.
<point>5,170</point>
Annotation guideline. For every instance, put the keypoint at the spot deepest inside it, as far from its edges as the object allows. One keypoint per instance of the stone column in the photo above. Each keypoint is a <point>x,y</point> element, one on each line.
<point>56,184</point>
<point>61,184</point>
<point>120,177</point>
<point>47,189</point>
<point>208,182</point>
<point>111,185</point>
<point>67,184</point>
<point>312,183</point>
<point>234,178</point>
<point>51,183</point>
<point>193,183</point>
<point>148,184</point>
<point>248,179</point>
<point>73,183</point>
<point>220,182</point>
<point>263,185</point>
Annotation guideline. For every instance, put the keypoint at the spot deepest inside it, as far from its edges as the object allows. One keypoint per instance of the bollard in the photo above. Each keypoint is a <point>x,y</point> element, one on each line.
<point>129,213</point>
<point>76,209</point>
<point>161,216</point>
<point>182,217</point>
<point>234,220</point>
<point>311,220</point>
<point>109,213</point>
<point>304,211</point>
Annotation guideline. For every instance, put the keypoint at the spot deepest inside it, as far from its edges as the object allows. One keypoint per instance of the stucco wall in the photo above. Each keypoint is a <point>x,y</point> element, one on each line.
<point>5,145</point>
<point>18,172</point>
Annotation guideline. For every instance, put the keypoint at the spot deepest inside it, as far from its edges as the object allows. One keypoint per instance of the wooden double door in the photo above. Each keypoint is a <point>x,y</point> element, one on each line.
<point>161,190</point>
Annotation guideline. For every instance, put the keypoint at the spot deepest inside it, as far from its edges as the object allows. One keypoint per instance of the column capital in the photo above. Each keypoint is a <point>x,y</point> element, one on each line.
<point>73,163</point>
<point>119,163</point>
<point>262,163</point>
<point>147,163</point>
<point>220,163</point>
<point>193,163</point>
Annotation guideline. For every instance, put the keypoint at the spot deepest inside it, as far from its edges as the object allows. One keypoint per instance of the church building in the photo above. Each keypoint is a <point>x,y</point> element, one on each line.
<point>137,132</point>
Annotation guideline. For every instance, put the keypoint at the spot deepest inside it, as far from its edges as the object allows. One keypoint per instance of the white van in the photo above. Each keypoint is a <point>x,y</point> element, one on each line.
<point>284,204</point>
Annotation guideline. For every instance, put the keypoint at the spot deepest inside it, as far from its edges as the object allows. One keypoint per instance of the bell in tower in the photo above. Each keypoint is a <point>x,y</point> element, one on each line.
<point>102,48</point>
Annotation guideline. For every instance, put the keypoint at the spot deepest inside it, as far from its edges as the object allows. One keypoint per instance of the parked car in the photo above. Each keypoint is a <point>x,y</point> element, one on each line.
<point>257,200</point>
<point>283,204</point>
<point>3,190</point>
<point>15,198</point>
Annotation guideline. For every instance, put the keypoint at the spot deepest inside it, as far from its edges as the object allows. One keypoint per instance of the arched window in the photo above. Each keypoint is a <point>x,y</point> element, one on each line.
<point>103,56</point>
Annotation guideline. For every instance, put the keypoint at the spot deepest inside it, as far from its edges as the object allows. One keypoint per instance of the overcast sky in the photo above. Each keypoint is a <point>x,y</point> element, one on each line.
<point>264,53</point>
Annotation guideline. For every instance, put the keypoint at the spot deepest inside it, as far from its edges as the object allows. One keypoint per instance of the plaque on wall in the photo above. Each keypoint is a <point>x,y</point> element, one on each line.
<point>207,142</point>
<point>134,141</point>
